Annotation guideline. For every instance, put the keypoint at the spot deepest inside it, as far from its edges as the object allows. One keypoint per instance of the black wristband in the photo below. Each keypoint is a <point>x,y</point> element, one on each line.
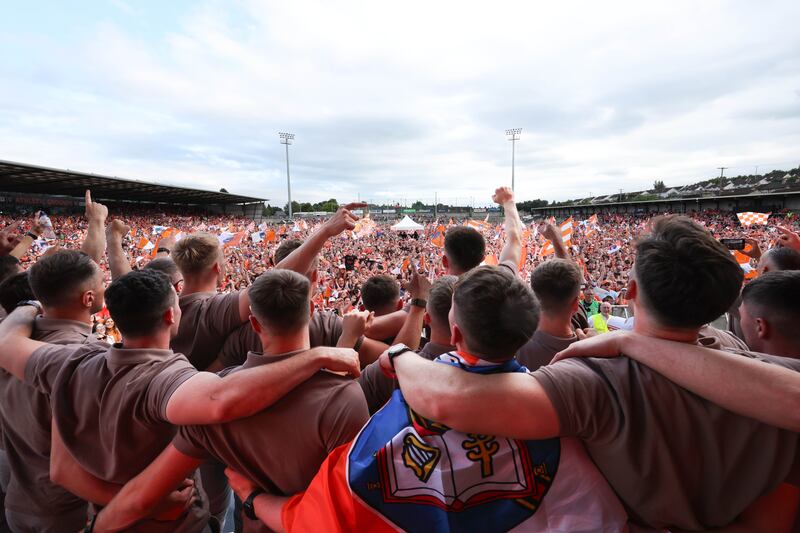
<point>359,342</point>
<point>248,507</point>
<point>163,250</point>
<point>32,235</point>
<point>419,302</point>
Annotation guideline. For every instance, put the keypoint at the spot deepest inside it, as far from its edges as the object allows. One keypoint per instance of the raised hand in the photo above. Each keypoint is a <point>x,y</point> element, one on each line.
<point>788,238</point>
<point>549,231</point>
<point>343,219</point>
<point>503,195</point>
<point>606,345</point>
<point>419,286</point>
<point>355,323</point>
<point>117,230</point>
<point>95,211</point>
<point>9,238</point>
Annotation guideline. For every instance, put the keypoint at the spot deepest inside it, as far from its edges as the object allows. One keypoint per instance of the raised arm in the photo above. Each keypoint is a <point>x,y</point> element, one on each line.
<point>95,242</point>
<point>9,239</point>
<point>513,405</point>
<point>142,495</point>
<point>512,250</point>
<point>207,398</point>
<point>553,234</point>
<point>16,346</point>
<point>117,260</point>
<point>386,326</point>
<point>420,288</point>
<point>302,259</point>
<point>767,392</point>
<point>24,242</point>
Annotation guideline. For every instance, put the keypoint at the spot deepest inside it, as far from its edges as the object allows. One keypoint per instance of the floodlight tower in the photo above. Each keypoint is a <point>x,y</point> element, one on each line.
<point>286,139</point>
<point>513,136</point>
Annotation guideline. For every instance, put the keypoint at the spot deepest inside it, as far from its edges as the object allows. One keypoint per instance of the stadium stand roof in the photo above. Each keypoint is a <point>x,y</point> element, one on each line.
<point>25,178</point>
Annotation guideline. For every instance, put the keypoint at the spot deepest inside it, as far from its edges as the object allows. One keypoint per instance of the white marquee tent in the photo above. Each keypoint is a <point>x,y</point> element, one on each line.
<point>407,225</point>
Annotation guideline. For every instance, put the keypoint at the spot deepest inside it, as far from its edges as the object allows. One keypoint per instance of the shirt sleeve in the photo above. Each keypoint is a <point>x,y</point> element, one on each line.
<point>222,316</point>
<point>44,364</point>
<point>344,415</point>
<point>189,441</point>
<point>584,398</point>
<point>164,384</point>
<point>376,386</point>
<point>509,265</point>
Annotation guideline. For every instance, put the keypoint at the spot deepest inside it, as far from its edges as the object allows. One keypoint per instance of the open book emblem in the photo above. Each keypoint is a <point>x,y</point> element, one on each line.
<point>419,457</point>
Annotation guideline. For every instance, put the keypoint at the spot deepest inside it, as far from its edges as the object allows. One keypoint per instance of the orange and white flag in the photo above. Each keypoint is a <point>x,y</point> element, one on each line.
<point>566,237</point>
<point>748,218</point>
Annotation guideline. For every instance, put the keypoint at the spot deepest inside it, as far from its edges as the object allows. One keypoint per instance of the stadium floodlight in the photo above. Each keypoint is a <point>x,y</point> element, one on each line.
<point>286,139</point>
<point>513,136</point>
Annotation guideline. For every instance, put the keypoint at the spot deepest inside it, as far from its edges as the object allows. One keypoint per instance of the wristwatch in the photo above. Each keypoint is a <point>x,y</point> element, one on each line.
<point>32,303</point>
<point>247,505</point>
<point>419,302</point>
<point>395,350</point>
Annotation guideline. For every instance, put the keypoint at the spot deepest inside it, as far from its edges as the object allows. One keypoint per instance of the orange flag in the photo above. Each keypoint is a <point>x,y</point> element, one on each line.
<point>523,258</point>
<point>490,260</point>
<point>270,236</point>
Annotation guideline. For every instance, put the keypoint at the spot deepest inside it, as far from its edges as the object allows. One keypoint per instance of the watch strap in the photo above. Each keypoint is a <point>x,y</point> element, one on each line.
<point>419,302</point>
<point>247,505</point>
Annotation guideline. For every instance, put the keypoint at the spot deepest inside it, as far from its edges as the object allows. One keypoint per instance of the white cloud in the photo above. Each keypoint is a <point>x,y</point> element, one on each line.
<point>401,101</point>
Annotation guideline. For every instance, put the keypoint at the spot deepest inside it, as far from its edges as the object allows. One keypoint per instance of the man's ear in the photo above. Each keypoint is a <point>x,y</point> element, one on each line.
<point>256,325</point>
<point>633,289</point>
<point>426,319</point>
<point>763,328</point>
<point>456,337</point>
<point>576,303</point>
<point>169,316</point>
<point>217,268</point>
<point>399,306</point>
<point>87,299</point>
<point>445,262</point>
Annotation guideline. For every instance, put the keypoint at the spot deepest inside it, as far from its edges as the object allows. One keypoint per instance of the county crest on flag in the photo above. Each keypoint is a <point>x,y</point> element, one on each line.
<point>748,218</point>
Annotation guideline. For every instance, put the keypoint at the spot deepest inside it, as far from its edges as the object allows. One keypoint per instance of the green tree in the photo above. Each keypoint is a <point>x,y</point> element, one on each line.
<point>417,205</point>
<point>659,186</point>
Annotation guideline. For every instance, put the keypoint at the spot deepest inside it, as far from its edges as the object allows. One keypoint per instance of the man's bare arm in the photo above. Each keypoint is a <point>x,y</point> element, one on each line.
<point>512,405</point>
<point>303,258</point>
<point>117,260</point>
<point>386,326</point>
<point>65,471</point>
<point>766,392</point>
<point>207,398</point>
<point>420,288</point>
<point>268,508</point>
<point>16,347</point>
<point>140,496</point>
<point>553,234</point>
<point>512,250</point>
<point>95,242</point>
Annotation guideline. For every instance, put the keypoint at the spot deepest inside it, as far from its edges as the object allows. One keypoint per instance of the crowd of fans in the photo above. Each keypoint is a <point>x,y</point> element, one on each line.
<point>169,372</point>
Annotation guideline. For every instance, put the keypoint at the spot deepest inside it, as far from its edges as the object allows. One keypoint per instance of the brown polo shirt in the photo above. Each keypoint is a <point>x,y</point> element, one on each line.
<point>207,318</point>
<point>25,417</point>
<point>378,387</point>
<point>324,329</point>
<point>673,458</point>
<point>282,447</point>
<point>541,348</point>
<point>109,404</point>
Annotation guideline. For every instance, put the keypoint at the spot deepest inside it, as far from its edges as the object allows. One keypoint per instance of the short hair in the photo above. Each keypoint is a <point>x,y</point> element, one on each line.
<point>440,298</point>
<point>465,247</point>
<point>167,266</point>
<point>9,265</point>
<point>380,291</point>
<point>775,296</point>
<point>59,277</point>
<point>196,253</point>
<point>556,284</point>
<point>285,248</point>
<point>280,300</point>
<point>782,258</point>
<point>15,289</point>
<point>685,277</point>
<point>496,312</point>
<point>138,300</point>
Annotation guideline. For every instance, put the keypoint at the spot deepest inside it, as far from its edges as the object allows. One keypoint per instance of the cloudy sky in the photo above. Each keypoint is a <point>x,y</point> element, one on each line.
<point>402,100</point>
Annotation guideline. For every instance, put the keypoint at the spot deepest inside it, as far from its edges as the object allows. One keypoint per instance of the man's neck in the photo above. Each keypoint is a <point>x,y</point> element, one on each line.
<point>192,286</point>
<point>556,326</point>
<point>159,341</point>
<point>78,315</point>
<point>782,348</point>
<point>286,343</point>
<point>440,336</point>
<point>650,329</point>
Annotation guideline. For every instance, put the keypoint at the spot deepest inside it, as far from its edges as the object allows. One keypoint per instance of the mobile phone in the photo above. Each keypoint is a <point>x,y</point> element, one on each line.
<point>733,244</point>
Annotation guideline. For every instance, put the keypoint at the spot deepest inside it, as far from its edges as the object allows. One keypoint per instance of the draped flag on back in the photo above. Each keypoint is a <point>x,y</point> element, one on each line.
<point>404,472</point>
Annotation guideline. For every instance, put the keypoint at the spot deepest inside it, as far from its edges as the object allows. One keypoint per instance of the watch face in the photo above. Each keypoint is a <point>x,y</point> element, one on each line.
<point>398,348</point>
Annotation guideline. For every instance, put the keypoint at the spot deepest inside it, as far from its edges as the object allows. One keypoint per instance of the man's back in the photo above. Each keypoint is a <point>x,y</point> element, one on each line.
<point>109,405</point>
<point>207,320</point>
<point>641,430</point>
<point>25,417</point>
<point>541,349</point>
<point>282,447</point>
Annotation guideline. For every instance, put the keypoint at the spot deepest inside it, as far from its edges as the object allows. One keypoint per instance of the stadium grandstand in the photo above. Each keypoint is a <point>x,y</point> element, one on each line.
<point>24,186</point>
